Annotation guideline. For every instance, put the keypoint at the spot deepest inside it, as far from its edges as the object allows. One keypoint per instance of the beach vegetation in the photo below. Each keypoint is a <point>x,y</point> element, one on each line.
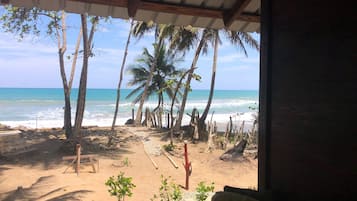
<point>120,186</point>
<point>202,190</point>
<point>169,147</point>
<point>126,162</point>
<point>168,191</point>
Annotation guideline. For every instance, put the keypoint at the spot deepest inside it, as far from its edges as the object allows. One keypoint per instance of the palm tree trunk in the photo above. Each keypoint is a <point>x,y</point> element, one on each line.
<point>172,105</point>
<point>121,75</point>
<point>83,80</point>
<point>213,79</point>
<point>188,82</point>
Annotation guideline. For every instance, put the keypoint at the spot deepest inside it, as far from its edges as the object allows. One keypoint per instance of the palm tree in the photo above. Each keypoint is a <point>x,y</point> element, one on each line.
<point>165,68</point>
<point>238,39</point>
<point>209,37</point>
<point>121,77</point>
<point>182,45</point>
<point>161,32</point>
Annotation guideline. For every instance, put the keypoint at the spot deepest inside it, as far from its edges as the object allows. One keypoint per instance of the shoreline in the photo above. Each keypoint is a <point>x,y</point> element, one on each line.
<point>105,123</point>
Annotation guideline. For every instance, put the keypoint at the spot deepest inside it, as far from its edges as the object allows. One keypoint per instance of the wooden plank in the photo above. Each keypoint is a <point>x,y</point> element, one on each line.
<point>152,160</point>
<point>93,156</point>
<point>170,159</point>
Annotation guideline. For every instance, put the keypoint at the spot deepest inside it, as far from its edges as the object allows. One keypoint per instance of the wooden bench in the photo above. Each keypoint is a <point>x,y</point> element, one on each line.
<point>90,159</point>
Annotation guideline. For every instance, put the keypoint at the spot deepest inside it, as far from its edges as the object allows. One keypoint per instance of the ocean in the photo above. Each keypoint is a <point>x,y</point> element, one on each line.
<point>43,107</point>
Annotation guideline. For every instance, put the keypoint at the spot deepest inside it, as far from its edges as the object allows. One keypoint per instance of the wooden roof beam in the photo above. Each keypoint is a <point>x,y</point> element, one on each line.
<point>235,12</point>
<point>4,1</point>
<point>133,6</point>
<point>174,9</point>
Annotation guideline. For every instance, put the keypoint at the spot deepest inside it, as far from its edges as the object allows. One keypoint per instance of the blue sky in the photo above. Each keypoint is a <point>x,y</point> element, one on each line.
<point>33,62</point>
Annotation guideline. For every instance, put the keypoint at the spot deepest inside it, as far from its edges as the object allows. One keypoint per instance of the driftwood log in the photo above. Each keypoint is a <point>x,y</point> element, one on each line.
<point>234,152</point>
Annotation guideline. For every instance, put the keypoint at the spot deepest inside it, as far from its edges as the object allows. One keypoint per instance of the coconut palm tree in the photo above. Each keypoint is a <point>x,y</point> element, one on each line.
<point>210,37</point>
<point>184,45</point>
<point>238,39</point>
<point>165,69</point>
<point>161,33</point>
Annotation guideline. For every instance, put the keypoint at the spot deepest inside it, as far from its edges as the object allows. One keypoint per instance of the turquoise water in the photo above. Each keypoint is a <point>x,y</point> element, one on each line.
<point>43,107</point>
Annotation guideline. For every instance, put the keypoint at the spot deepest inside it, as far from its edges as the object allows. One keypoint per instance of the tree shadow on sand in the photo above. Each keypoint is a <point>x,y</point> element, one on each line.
<point>38,190</point>
<point>46,148</point>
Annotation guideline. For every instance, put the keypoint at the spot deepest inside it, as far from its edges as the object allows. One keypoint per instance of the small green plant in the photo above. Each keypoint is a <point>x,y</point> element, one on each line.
<point>168,191</point>
<point>168,147</point>
<point>203,190</point>
<point>120,186</point>
<point>126,162</point>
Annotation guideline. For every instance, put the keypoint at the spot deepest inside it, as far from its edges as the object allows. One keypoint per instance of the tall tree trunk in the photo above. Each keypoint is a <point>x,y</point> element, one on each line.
<point>83,80</point>
<point>172,105</point>
<point>68,88</point>
<point>74,61</point>
<point>213,79</point>
<point>61,51</point>
<point>121,75</point>
<point>188,82</point>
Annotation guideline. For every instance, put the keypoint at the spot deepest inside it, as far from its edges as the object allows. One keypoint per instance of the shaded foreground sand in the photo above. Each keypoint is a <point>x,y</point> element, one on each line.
<point>38,174</point>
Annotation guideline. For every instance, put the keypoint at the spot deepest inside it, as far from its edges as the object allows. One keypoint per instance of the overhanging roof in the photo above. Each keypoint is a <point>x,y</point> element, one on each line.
<point>238,15</point>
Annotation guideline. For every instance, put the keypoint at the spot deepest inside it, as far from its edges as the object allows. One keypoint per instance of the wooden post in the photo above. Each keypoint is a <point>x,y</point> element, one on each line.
<point>132,114</point>
<point>78,150</point>
<point>187,167</point>
<point>168,120</point>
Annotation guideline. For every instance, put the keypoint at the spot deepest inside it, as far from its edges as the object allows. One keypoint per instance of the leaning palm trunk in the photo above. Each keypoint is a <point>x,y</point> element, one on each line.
<point>172,105</point>
<point>213,79</point>
<point>188,82</point>
<point>121,78</point>
<point>83,80</point>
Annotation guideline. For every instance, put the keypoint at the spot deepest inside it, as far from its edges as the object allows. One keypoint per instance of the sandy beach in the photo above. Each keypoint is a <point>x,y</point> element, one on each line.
<point>35,170</point>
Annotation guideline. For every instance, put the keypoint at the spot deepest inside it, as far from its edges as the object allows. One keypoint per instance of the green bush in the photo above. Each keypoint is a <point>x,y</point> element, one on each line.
<point>168,191</point>
<point>120,186</point>
<point>126,162</point>
<point>203,190</point>
<point>168,147</point>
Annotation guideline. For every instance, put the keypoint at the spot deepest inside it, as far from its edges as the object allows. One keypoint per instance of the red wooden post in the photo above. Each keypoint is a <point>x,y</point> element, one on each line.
<point>187,166</point>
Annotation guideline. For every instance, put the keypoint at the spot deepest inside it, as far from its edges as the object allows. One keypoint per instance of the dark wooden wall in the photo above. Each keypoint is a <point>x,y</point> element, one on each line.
<point>308,100</point>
